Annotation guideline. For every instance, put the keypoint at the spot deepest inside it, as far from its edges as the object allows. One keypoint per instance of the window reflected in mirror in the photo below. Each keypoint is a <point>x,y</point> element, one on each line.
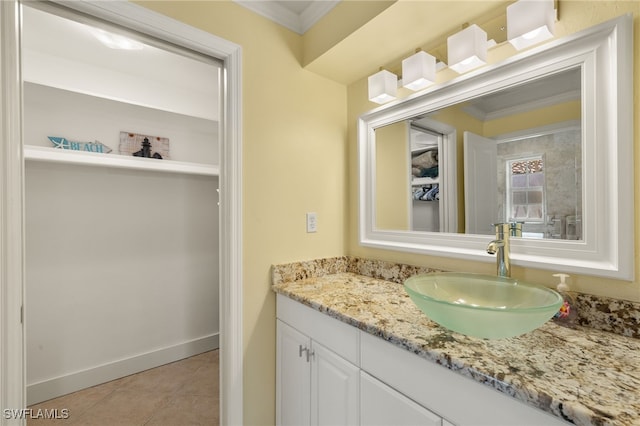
<point>525,189</point>
<point>543,184</point>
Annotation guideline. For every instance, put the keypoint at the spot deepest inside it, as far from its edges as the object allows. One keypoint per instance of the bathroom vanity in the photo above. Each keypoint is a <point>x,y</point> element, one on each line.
<point>358,351</point>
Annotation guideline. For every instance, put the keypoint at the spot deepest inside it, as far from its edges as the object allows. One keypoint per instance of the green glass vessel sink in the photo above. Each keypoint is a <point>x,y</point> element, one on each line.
<point>484,306</point>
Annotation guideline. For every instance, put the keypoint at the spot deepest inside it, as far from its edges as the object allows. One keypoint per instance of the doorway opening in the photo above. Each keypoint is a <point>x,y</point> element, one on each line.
<point>150,25</point>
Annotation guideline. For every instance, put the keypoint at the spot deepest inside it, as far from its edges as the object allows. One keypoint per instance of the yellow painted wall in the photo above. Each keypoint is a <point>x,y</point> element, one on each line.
<point>531,119</point>
<point>294,161</point>
<point>392,177</point>
<point>574,16</point>
<point>342,21</point>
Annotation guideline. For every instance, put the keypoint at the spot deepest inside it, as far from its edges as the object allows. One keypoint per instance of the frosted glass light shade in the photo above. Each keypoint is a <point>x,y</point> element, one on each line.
<point>467,49</point>
<point>530,22</point>
<point>418,71</point>
<point>383,87</point>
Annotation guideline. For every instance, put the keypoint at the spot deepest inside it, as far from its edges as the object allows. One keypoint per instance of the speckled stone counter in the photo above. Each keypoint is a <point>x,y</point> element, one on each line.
<point>585,376</point>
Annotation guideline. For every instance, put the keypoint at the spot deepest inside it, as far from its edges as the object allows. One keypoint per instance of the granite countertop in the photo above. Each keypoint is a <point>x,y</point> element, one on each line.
<point>583,375</point>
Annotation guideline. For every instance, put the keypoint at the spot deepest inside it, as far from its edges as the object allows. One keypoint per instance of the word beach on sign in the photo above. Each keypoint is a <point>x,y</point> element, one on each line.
<point>63,143</point>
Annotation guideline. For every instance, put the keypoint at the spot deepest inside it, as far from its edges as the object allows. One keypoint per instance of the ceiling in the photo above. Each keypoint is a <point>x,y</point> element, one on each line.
<point>550,90</point>
<point>368,35</point>
<point>64,38</point>
<point>64,53</point>
<point>297,15</point>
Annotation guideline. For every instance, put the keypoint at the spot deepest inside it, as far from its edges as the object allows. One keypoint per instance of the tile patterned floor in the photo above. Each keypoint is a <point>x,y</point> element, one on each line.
<point>178,394</point>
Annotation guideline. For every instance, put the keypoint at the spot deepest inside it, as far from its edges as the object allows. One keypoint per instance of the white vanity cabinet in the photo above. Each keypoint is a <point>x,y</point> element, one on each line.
<point>317,374</point>
<point>294,377</point>
<point>355,378</point>
<point>316,386</point>
<point>460,400</point>
<point>381,405</point>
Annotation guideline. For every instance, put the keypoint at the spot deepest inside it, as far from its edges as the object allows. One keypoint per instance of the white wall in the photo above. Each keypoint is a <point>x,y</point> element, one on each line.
<point>119,264</point>
<point>426,216</point>
<point>83,118</point>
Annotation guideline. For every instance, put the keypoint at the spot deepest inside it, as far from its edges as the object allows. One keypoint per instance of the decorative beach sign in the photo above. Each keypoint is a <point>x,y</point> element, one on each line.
<point>140,145</point>
<point>64,143</point>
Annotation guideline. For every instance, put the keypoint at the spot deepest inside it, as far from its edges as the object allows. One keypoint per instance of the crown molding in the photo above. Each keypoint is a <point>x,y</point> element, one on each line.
<point>280,14</point>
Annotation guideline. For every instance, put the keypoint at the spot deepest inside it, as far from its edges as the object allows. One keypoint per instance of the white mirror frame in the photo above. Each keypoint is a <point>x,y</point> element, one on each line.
<point>605,55</point>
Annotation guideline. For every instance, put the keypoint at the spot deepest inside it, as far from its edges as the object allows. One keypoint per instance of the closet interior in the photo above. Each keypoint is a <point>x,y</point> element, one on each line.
<point>425,147</point>
<point>121,169</point>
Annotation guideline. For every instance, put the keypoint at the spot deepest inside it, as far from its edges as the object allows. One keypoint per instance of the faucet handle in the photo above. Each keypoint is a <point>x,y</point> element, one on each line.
<point>513,229</point>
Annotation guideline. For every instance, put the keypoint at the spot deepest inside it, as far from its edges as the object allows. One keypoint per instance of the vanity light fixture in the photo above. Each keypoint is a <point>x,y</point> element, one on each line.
<point>383,86</point>
<point>418,71</point>
<point>530,22</point>
<point>467,49</point>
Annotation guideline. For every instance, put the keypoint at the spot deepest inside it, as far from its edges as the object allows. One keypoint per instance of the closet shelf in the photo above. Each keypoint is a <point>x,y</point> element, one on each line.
<point>38,153</point>
<point>424,181</point>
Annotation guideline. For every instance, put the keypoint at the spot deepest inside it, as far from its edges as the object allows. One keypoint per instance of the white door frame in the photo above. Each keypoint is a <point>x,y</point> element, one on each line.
<point>12,339</point>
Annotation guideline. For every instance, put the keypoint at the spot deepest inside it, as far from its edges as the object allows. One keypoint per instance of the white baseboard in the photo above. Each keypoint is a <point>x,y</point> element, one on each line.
<point>53,388</point>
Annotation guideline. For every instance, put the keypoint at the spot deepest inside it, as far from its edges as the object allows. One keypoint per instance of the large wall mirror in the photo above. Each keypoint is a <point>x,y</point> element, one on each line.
<point>544,138</point>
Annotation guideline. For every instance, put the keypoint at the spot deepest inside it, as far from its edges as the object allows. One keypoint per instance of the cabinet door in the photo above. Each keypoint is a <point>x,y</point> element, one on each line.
<point>293,377</point>
<point>334,389</point>
<point>382,405</point>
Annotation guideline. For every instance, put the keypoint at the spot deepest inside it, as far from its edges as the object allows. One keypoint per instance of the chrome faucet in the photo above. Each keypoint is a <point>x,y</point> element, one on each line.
<point>500,246</point>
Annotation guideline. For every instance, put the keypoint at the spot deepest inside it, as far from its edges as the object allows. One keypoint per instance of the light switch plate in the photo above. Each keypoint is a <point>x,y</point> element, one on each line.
<point>312,222</point>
